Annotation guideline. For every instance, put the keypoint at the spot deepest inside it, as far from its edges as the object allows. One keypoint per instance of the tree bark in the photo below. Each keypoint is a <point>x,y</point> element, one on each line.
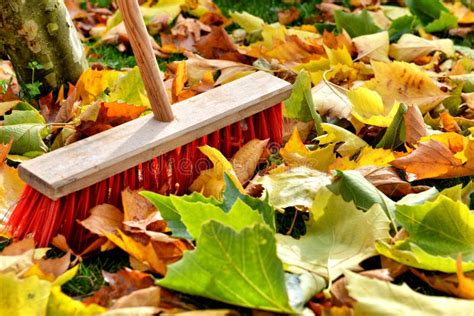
<point>41,31</point>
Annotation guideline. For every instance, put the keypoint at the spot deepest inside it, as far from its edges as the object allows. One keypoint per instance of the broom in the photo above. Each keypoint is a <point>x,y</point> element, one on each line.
<point>158,153</point>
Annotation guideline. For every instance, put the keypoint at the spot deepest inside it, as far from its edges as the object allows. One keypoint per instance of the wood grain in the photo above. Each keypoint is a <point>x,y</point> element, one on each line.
<point>96,158</point>
<point>143,51</point>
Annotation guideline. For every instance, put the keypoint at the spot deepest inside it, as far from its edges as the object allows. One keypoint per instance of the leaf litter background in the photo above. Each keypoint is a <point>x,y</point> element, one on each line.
<point>364,210</point>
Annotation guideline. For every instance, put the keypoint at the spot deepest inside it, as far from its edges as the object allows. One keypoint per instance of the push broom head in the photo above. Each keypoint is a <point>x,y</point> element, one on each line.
<point>66,183</point>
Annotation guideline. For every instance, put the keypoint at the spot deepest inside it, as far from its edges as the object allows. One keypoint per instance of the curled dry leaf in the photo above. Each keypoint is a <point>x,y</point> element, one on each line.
<point>340,295</point>
<point>104,219</point>
<point>149,297</point>
<point>414,125</point>
<point>120,284</point>
<point>245,160</point>
<point>139,212</point>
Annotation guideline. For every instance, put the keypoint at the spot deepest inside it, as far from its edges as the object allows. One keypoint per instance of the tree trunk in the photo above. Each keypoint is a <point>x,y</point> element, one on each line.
<point>41,31</point>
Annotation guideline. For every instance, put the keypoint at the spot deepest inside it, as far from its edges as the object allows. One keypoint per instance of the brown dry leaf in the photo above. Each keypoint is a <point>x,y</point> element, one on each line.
<point>414,125</point>
<point>459,284</point>
<point>184,34</point>
<point>140,213</point>
<point>245,160</point>
<point>153,253</point>
<point>220,312</point>
<point>405,83</point>
<point>340,295</point>
<point>104,219</point>
<point>19,247</point>
<point>387,180</point>
<point>120,284</point>
<point>433,159</point>
<point>219,45</point>
<point>50,269</point>
<point>286,17</point>
<point>149,297</point>
<point>304,128</point>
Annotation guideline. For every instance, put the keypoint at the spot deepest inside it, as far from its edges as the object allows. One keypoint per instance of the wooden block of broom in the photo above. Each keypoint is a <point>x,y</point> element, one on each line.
<point>96,158</point>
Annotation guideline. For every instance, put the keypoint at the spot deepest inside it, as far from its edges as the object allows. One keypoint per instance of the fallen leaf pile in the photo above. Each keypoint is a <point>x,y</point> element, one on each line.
<point>365,209</point>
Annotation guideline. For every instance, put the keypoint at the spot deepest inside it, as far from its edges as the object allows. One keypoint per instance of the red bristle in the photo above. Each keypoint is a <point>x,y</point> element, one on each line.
<point>43,218</point>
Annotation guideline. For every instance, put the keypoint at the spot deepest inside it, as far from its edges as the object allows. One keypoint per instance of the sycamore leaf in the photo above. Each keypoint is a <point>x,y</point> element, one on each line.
<point>368,107</point>
<point>338,237</point>
<point>394,135</point>
<point>211,182</point>
<point>239,268</point>
<point>195,214</point>
<point>415,127</point>
<point>27,138</point>
<point>402,25</point>
<point>410,47</point>
<point>373,46</point>
<point>356,24</point>
<point>439,231</point>
<point>368,156</point>
<point>316,69</point>
<point>295,154</point>
<point>27,296</point>
<point>405,83</point>
<point>293,187</point>
<point>375,297</point>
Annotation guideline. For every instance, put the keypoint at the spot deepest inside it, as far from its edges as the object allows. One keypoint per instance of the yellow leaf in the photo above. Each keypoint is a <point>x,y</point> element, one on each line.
<point>405,83</point>
<point>93,83</point>
<point>11,187</point>
<point>338,56</point>
<point>61,304</point>
<point>335,134</point>
<point>316,69</point>
<point>368,107</point>
<point>367,157</point>
<point>27,296</point>
<point>295,153</point>
<point>211,182</point>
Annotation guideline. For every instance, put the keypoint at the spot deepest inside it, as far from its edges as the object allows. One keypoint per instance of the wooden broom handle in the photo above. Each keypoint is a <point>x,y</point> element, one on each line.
<point>146,60</point>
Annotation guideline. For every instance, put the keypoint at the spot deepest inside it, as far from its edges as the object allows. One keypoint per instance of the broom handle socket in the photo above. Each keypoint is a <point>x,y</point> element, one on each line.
<point>146,60</point>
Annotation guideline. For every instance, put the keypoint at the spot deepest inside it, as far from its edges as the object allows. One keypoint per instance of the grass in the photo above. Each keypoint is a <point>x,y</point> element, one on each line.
<point>268,9</point>
<point>89,276</point>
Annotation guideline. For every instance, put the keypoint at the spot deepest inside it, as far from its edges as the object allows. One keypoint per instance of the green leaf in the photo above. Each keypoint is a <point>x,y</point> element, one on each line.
<point>453,102</point>
<point>445,21</point>
<point>250,23</point>
<point>426,10</point>
<point>129,89</point>
<point>467,80</point>
<point>356,24</point>
<point>354,187</point>
<point>338,237</point>
<point>296,106</point>
<point>232,193</point>
<point>402,25</point>
<point>439,231</point>
<point>465,50</point>
<point>460,193</point>
<point>195,214</point>
<point>26,137</point>
<point>239,268</point>
<point>171,215</point>
<point>293,187</point>
<point>23,117</point>
<point>395,134</point>
<point>376,297</point>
